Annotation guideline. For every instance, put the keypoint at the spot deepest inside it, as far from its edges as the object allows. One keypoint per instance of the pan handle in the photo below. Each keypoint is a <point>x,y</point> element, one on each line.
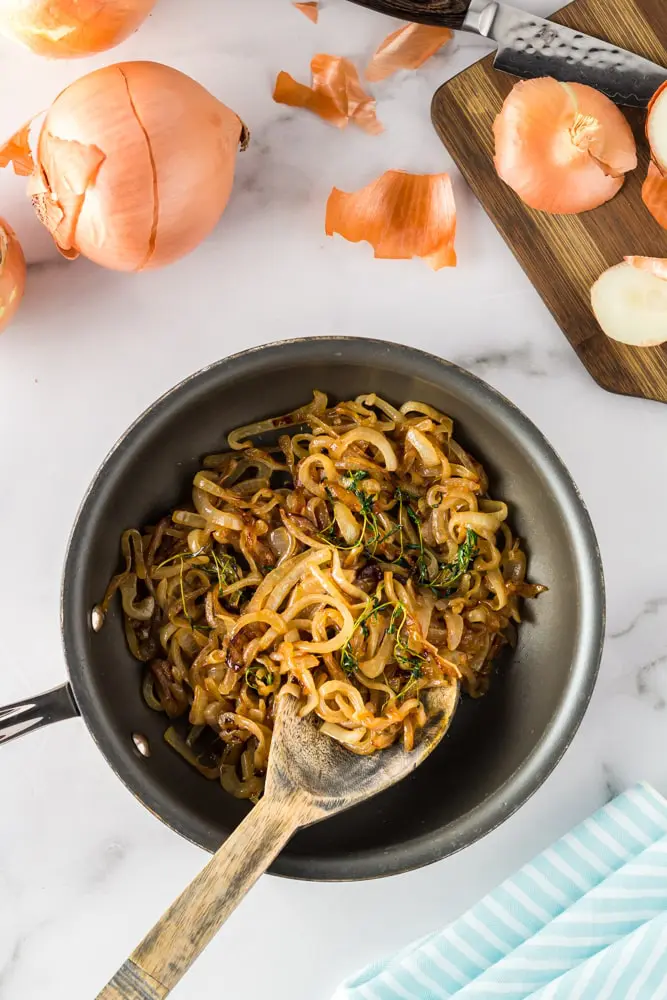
<point>444,13</point>
<point>33,713</point>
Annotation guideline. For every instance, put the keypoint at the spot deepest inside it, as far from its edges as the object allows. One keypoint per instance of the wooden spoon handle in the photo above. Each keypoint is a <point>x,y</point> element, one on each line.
<point>444,13</point>
<point>182,933</point>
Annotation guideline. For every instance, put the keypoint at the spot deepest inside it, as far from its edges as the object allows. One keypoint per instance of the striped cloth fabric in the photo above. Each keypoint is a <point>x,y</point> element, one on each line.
<point>586,920</point>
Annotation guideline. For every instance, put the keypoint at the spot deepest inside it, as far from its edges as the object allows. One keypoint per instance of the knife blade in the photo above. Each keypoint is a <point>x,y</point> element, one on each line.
<point>530,46</point>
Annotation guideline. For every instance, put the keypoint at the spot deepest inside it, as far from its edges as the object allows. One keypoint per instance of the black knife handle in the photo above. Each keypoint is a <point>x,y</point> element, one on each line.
<point>444,13</point>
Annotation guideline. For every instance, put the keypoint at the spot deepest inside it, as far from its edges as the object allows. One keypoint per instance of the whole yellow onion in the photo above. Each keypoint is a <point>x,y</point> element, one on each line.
<point>12,274</point>
<point>135,165</point>
<point>67,28</point>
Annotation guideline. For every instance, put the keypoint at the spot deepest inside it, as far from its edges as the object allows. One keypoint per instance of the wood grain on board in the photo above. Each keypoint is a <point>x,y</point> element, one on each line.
<point>563,255</point>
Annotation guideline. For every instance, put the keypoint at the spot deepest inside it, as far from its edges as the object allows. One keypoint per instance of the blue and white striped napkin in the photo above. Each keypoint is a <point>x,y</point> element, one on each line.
<point>586,920</point>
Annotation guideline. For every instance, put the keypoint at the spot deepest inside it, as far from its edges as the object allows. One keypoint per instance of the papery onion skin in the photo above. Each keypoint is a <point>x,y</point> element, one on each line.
<point>12,274</point>
<point>407,48</point>
<point>309,8</point>
<point>16,150</point>
<point>654,194</point>
<point>66,29</point>
<point>563,148</point>
<point>401,215</point>
<point>336,94</point>
<point>135,165</point>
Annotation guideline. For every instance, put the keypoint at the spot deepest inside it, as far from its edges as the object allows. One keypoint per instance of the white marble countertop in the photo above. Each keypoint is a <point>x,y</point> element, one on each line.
<point>84,869</point>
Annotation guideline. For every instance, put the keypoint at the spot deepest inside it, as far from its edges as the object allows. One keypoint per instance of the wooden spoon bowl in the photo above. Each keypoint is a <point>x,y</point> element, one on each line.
<point>310,776</point>
<point>333,778</point>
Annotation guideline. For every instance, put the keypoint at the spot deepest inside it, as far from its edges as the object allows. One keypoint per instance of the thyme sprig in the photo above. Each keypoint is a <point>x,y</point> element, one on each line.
<point>450,573</point>
<point>422,561</point>
<point>351,483</point>
<point>370,521</point>
<point>407,658</point>
<point>374,605</point>
<point>226,568</point>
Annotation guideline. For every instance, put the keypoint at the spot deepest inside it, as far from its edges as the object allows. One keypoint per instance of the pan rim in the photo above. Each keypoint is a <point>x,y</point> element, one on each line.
<point>558,735</point>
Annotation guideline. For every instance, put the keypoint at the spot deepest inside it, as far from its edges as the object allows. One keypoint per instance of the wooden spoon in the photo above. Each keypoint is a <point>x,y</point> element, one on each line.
<point>310,776</point>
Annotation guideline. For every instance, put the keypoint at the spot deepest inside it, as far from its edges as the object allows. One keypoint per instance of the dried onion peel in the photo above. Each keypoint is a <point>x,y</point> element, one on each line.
<point>67,28</point>
<point>562,147</point>
<point>630,301</point>
<point>17,152</point>
<point>336,94</point>
<point>401,215</point>
<point>310,9</point>
<point>135,164</point>
<point>407,48</point>
<point>654,194</point>
<point>12,274</point>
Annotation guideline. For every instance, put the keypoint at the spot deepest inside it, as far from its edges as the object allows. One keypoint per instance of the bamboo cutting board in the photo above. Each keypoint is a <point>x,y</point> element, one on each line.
<point>564,255</point>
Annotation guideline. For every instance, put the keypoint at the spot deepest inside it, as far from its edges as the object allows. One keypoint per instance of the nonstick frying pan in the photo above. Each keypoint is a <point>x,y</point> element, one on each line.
<point>499,749</point>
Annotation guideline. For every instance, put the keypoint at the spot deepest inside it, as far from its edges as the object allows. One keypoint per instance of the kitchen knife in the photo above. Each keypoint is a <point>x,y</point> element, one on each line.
<point>530,46</point>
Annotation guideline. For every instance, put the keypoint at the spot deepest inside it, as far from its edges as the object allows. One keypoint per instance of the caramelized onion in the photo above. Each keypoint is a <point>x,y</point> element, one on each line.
<point>368,607</point>
<point>347,523</point>
<point>423,447</point>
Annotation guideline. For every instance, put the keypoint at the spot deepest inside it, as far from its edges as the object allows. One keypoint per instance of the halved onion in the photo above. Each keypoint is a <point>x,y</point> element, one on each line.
<point>401,215</point>
<point>654,191</point>
<point>630,304</point>
<point>656,127</point>
<point>563,147</point>
<point>12,274</point>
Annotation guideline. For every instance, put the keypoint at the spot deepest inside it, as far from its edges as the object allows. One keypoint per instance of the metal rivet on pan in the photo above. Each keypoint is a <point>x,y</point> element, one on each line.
<point>142,744</point>
<point>97,618</point>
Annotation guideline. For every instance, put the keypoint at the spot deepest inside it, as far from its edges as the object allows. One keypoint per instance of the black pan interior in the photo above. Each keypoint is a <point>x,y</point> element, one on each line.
<point>499,748</point>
